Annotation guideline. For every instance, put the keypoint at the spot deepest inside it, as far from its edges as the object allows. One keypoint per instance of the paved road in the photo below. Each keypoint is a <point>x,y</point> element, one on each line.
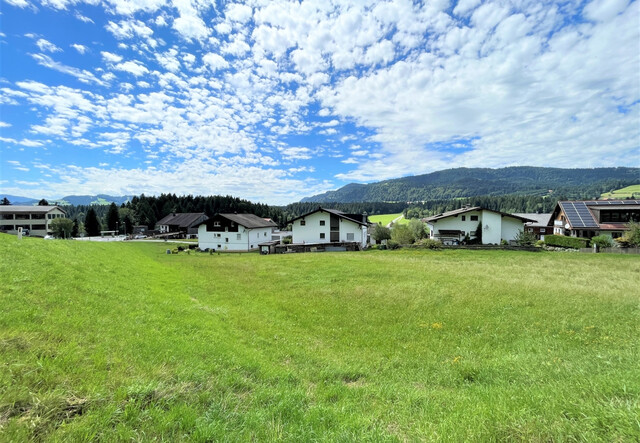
<point>395,220</point>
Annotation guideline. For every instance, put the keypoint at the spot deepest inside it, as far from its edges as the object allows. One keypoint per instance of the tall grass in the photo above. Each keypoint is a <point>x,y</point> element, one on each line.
<point>121,341</point>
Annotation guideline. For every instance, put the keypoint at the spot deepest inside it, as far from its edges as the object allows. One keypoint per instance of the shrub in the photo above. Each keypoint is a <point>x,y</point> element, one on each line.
<point>539,243</point>
<point>632,236</point>
<point>563,241</point>
<point>380,233</point>
<point>602,241</point>
<point>431,244</point>
<point>393,245</point>
<point>402,234</point>
<point>525,238</point>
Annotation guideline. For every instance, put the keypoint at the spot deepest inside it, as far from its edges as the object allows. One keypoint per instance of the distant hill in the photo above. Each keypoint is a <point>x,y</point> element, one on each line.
<point>17,200</point>
<point>100,199</point>
<point>470,182</point>
<point>75,200</point>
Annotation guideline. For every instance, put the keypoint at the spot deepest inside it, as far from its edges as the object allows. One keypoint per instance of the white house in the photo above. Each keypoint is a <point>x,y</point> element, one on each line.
<point>452,227</point>
<point>34,220</point>
<point>234,232</point>
<point>330,226</point>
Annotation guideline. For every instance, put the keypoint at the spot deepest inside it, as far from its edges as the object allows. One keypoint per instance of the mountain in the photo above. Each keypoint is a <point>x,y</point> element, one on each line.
<point>17,200</point>
<point>75,200</point>
<point>470,182</point>
<point>100,199</point>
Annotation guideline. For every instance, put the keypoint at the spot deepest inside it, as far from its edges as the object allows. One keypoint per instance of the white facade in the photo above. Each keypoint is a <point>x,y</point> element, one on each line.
<point>316,228</point>
<point>495,226</point>
<point>243,240</point>
<point>35,219</point>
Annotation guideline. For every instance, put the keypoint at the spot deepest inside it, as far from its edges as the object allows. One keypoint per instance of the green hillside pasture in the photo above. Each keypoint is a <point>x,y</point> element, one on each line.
<point>119,341</point>
<point>628,192</point>
<point>385,219</point>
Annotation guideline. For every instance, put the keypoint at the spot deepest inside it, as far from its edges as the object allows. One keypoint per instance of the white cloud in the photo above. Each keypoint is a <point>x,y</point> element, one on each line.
<point>47,46</point>
<point>133,67</point>
<point>127,29</point>
<point>214,61</point>
<point>5,124</point>
<point>238,12</point>
<point>110,57</point>
<point>80,48</point>
<point>81,74</point>
<point>18,3</point>
<point>604,10</point>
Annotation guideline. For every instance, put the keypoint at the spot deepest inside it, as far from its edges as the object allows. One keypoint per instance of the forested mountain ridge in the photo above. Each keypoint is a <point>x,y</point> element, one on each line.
<point>470,182</point>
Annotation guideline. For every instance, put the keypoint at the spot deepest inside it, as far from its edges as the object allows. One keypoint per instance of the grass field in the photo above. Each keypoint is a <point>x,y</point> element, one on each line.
<point>385,219</point>
<point>623,193</point>
<point>119,341</point>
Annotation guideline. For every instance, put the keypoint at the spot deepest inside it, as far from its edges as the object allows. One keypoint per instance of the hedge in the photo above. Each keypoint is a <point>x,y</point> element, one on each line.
<point>563,241</point>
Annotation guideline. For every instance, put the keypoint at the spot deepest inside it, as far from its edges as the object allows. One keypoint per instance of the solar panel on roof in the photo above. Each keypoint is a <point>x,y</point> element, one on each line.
<point>579,215</point>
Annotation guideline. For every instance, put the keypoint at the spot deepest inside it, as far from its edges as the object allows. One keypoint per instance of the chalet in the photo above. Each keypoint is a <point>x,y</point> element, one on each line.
<point>330,226</point>
<point>34,220</point>
<point>589,218</point>
<point>539,227</point>
<point>453,226</point>
<point>183,224</point>
<point>234,232</point>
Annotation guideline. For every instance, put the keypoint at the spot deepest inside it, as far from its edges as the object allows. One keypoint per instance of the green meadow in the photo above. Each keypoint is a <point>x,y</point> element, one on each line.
<point>628,192</point>
<point>120,341</point>
<point>385,219</point>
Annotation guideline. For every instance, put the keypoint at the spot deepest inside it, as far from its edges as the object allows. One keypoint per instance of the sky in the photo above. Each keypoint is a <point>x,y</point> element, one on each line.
<point>276,100</point>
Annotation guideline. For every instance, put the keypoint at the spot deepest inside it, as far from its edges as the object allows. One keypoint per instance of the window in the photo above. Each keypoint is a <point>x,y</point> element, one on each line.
<point>464,218</point>
<point>265,234</point>
<point>350,236</point>
<point>321,222</point>
<point>226,239</point>
<point>219,246</point>
<point>322,235</point>
<point>40,227</point>
<point>303,223</point>
<point>239,237</point>
<point>474,218</point>
<point>216,224</point>
<point>542,230</point>
<point>530,229</point>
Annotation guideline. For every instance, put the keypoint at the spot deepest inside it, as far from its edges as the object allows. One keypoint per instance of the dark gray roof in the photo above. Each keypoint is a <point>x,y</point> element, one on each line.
<point>31,209</point>
<point>183,220</point>
<point>250,221</point>
<point>540,219</point>
<point>334,212</point>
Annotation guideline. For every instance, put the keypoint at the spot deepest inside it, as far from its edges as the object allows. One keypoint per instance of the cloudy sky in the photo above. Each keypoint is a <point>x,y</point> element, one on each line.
<point>274,100</point>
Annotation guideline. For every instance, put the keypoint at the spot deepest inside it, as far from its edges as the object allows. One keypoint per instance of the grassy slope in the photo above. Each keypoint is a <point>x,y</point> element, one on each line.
<point>120,341</point>
<point>627,192</point>
<point>385,219</point>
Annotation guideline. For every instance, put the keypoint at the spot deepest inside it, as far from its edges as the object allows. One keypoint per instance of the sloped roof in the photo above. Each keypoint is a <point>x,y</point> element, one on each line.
<point>182,220</point>
<point>31,209</point>
<point>539,219</point>
<point>250,221</point>
<point>471,209</point>
<point>331,211</point>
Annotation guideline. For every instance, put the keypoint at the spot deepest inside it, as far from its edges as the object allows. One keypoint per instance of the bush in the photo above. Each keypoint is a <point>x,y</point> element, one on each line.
<point>431,244</point>
<point>402,234</point>
<point>525,238</point>
<point>393,245</point>
<point>602,241</point>
<point>539,243</point>
<point>632,236</point>
<point>563,241</point>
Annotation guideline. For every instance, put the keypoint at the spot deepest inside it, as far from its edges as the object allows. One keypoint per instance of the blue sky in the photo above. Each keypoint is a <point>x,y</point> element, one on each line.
<point>275,100</point>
